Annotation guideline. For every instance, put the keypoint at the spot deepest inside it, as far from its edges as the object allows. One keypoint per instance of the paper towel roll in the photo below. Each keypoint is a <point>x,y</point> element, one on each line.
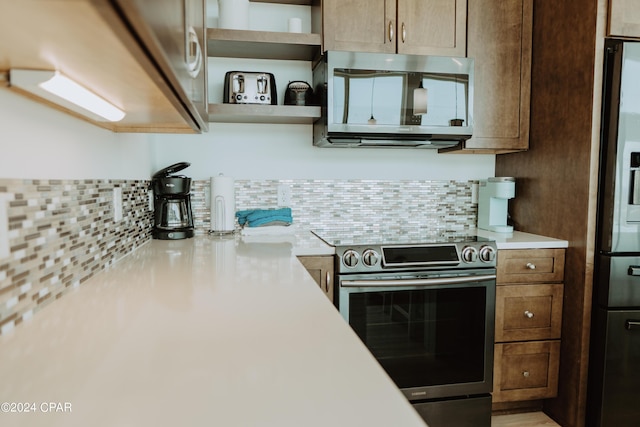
<point>233,14</point>
<point>223,204</point>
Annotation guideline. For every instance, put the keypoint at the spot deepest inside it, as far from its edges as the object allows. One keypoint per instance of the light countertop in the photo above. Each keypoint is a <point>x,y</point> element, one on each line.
<point>520,240</point>
<point>305,243</point>
<point>208,331</point>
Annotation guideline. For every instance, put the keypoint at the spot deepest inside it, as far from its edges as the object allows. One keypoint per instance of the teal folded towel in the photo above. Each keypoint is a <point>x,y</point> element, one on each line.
<point>264,217</point>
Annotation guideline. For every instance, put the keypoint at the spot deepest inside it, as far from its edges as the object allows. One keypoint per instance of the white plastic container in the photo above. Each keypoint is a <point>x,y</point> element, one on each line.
<point>233,14</point>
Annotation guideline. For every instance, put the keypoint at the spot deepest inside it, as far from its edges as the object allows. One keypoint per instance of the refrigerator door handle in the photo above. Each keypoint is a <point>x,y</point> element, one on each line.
<point>634,270</point>
<point>632,325</point>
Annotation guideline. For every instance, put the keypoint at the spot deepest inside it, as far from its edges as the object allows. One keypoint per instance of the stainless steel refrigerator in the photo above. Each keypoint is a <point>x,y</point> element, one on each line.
<point>614,369</point>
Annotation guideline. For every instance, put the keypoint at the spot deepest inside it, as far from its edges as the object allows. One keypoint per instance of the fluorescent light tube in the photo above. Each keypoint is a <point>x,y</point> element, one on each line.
<point>61,90</point>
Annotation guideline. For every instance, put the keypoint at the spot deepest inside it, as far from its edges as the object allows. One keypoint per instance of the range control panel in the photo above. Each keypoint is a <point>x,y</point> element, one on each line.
<point>380,258</point>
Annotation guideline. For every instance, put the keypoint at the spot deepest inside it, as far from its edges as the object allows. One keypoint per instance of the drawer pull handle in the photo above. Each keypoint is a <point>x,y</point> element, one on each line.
<point>328,282</point>
<point>528,314</point>
<point>531,266</point>
<point>525,374</point>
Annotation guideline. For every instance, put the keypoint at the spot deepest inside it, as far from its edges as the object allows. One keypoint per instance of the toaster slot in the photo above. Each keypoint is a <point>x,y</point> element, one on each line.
<point>262,83</point>
<point>238,83</point>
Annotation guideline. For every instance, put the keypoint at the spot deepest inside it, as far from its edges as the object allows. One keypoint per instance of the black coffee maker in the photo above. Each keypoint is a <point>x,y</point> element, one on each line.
<point>173,218</point>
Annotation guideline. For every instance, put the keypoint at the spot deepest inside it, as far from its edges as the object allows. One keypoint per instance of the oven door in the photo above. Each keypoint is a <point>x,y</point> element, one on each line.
<point>433,334</point>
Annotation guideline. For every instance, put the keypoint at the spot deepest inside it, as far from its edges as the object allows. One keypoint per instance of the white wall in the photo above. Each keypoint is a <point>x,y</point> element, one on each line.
<point>286,152</point>
<point>38,142</point>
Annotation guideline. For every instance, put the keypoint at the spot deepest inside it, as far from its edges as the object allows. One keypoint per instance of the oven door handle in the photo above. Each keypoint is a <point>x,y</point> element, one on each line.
<point>416,282</point>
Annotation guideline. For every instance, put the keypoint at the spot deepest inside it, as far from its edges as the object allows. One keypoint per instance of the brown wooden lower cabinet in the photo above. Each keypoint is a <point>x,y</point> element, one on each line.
<point>321,269</point>
<point>529,298</point>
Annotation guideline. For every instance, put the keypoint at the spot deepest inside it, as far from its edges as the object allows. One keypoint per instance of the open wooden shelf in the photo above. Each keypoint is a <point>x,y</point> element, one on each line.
<point>262,44</point>
<point>251,113</point>
<point>298,2</point>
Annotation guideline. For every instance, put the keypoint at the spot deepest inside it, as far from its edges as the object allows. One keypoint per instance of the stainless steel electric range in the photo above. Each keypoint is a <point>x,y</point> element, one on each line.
<point>424,304</point>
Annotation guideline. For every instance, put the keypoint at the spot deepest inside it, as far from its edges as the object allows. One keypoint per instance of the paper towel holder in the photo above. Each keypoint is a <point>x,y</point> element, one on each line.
<point>222,218</point>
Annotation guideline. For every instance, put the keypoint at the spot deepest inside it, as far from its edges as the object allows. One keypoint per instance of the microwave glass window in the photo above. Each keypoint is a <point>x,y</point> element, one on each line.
<point>369,97</point>
<point>447,99</point>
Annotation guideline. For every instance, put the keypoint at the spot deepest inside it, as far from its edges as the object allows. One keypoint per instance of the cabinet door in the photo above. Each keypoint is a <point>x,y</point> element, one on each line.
<point>321,269</point>
<point>499,37</point>
<point>624,18</point>
<point>359,25</point>
<point>173,32</point>
<point>432,27</point>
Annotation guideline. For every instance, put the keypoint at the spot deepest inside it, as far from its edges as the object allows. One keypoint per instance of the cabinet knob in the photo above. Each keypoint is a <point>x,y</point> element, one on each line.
<point>528,314</point>
<point>531,266</point>
<point>390,31</point>
<point>525,374</point>
<point>404,32</point>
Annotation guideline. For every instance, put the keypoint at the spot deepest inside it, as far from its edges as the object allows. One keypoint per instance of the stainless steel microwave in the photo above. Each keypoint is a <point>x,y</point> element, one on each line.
<point>392,100</point>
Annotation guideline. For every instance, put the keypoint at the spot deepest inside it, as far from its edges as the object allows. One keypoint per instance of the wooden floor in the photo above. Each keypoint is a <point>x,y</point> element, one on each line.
<point>530,419</point>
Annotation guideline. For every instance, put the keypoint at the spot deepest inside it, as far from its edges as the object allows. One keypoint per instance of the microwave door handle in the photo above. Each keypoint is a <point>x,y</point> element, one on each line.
<point>416,282</point>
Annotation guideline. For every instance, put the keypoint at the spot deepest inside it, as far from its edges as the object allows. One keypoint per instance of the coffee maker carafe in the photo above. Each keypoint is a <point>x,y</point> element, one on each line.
<point>173,218</point>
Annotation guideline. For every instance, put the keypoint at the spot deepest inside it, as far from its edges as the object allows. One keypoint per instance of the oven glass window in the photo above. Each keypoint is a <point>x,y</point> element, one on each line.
<point>424,337</point>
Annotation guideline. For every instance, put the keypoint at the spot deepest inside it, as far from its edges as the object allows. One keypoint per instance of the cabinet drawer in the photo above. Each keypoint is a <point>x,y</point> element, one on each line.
<point>530,265</point>
<point>526,371</point>
<point>528,312</point>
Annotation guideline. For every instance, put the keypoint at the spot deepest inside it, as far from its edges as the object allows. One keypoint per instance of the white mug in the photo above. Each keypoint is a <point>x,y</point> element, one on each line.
<point>295,25</point>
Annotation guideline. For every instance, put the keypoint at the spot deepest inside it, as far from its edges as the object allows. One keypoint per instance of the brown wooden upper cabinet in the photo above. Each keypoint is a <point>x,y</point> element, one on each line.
<point>624,18</point>
<point>174,33</point>
<point>421,27</point>
<point>133,54</point>
<point>499,36</point>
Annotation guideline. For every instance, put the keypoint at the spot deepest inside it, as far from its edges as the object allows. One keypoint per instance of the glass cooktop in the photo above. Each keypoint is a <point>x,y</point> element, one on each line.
<point>395,236</point>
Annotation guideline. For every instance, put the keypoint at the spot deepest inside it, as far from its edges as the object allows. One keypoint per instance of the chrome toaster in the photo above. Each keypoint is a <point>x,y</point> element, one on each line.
<point>242,87</point>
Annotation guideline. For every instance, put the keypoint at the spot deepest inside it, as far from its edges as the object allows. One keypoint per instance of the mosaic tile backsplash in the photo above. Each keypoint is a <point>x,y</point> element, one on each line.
<point>354,204</point>
<point>62,232</point>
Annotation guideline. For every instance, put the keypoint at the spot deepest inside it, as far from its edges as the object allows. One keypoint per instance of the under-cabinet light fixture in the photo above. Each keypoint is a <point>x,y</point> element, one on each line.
<point>61,90</point>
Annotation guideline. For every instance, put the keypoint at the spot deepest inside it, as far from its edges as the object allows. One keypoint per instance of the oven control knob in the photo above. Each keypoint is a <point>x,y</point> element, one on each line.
<point>350,258</point>
<point>370,257</point>
<point>487,254</point>
<point>469,254</point>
